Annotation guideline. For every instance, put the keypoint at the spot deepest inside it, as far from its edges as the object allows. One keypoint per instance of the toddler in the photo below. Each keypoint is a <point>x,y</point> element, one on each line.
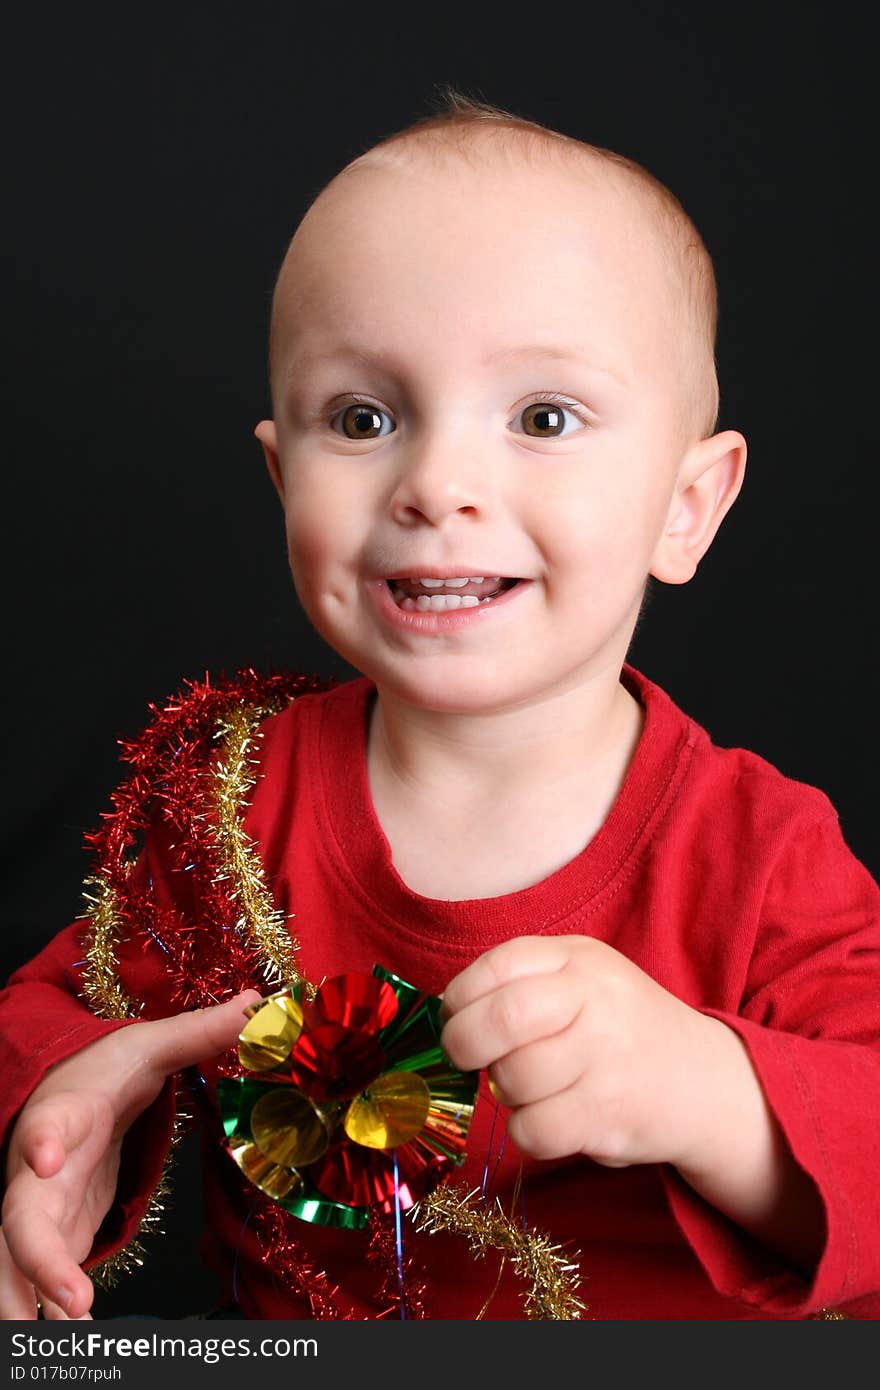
<point>494,402</point>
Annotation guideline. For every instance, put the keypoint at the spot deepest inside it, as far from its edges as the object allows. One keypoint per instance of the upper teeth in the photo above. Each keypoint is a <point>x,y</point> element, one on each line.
<point>452,583</point>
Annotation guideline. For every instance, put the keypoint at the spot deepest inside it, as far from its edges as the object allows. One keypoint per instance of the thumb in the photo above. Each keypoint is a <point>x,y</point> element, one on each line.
<point>173,1043</point>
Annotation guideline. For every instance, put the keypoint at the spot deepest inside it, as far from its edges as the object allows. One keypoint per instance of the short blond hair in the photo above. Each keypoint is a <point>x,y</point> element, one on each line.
<point>461,124</point>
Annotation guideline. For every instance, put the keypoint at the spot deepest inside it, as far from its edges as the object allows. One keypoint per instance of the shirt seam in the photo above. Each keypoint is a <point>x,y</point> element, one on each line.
<point>622,869</point>
<point>851,1266</point>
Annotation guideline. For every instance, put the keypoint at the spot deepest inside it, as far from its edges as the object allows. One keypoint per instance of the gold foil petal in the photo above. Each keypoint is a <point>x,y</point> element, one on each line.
<point>271,1032</point>
<point>272,1178</point>
<point>497,1093</point>
<point>390,1112</point>
<point>288,1129</point>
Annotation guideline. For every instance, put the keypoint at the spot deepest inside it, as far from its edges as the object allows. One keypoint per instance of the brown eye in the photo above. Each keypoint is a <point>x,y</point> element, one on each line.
<point>363,421</point>
<point>543,420</point>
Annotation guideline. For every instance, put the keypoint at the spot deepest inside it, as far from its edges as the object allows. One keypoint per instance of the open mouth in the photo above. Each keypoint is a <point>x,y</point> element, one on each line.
<point>442,595</point>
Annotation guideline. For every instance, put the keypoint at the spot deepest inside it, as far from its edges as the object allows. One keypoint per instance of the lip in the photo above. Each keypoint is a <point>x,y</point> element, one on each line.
<point>431,624</point>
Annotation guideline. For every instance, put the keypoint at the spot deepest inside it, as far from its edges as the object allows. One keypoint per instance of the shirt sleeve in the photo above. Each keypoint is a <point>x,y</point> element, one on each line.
<point>44,1019</point>
<point>810,1020</point>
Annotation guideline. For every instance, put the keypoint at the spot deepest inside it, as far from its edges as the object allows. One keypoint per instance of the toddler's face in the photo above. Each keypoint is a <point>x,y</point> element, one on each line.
<point>474,377</point>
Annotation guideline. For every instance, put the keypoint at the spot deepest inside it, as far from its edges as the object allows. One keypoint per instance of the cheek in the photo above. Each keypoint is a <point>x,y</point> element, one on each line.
<point>592,531</point>
<point>327,524</point>
<point>309,535</point>
<point>319,520</point>
<point>606,515</point>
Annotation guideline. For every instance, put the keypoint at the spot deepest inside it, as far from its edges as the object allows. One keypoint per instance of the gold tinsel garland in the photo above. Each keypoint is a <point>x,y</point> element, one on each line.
<point>260,920</point>
<point>101,985</point>
<point>553,1279</point>
<point>107,999</point>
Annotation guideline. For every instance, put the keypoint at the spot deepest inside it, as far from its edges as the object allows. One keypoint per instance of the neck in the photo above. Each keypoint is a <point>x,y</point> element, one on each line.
<point>534,750</point>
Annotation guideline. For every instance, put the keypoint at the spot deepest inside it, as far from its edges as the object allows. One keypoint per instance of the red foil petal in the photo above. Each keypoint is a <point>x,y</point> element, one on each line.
<point>355,1001</point>
<point>359,1177</point>
<point>365,1177</point>
<point>330,1062</point>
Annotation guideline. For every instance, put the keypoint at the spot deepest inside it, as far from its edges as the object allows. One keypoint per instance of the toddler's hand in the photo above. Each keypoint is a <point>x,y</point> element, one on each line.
<point>591,1054</point>
<point>64,1151</point>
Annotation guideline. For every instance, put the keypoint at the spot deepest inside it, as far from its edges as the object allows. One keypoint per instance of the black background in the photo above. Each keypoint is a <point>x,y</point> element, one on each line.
<point>157,161</point>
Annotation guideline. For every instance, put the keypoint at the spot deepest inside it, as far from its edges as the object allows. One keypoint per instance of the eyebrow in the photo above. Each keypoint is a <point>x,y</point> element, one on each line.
<point>551,353</point>
<point>348,351</point>
<point>386,362</point>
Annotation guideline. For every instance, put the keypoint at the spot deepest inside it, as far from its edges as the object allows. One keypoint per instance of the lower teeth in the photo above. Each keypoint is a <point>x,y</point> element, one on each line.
<point>439,603</point>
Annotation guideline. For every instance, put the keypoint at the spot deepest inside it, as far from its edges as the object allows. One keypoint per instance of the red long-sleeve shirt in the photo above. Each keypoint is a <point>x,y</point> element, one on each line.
<point>728,883</point>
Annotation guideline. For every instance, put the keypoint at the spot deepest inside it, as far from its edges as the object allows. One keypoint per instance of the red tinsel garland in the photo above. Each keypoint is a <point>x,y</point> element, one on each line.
<point>212,958</point>
<point>171,782</point>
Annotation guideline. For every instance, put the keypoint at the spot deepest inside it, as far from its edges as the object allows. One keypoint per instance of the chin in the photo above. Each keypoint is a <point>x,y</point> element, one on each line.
<point>451,692</point>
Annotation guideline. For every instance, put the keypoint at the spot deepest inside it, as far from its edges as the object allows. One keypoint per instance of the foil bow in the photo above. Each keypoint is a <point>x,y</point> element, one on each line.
<point>350,1103</point>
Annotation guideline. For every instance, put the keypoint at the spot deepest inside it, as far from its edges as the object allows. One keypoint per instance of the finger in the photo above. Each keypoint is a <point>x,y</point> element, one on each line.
<point>43,1149</point>
<point>512,960</point>
<point>539,1070</point>
<point>40,1254</point>
<point>511,1017</point>
<point>52,1312</point>
<point>170,1044</point>
<point>17,1297</point>
<point>49,1132</point>
<point>555,1127</point>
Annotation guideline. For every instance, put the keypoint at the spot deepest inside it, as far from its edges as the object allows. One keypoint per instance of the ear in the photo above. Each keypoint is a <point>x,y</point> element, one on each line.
<point>268,437</point>
<point>708,484</point>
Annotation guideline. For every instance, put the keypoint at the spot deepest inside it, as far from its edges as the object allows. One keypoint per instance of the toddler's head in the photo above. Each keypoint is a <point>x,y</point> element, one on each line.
<point>494,396</point>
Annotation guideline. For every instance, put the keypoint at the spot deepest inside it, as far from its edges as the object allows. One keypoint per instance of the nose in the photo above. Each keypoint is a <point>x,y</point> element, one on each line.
<point>440,475</point>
